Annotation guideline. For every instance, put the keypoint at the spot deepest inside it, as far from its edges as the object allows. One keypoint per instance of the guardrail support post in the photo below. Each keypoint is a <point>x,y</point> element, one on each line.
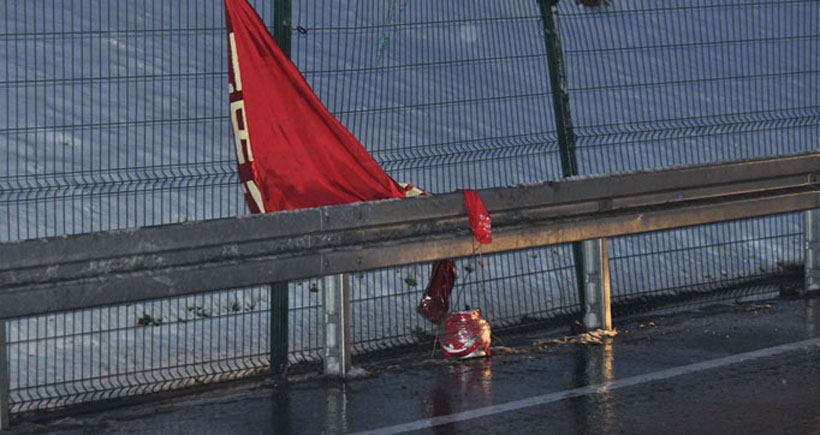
<point>812,254</point>
<point>4,378</point>
<point>597,312</point>
<point>336,289</point>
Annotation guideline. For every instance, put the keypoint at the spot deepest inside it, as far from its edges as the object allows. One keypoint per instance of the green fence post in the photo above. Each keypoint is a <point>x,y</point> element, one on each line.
<point>281,24</point>
<point>560,89</point>
<point>279,291</point>
<point>278,330</point>
<point>563,119</point>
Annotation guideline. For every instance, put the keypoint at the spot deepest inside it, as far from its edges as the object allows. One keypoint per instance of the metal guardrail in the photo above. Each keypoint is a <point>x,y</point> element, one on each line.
<point>98,269</point>
<point>82,271</point>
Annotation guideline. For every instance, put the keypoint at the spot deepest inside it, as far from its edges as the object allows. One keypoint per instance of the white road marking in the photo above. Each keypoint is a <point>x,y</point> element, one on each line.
<point>592,389</point>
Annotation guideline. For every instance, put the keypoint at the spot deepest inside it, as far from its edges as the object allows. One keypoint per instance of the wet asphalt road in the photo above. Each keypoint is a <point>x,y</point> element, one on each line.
<point>688,372</point>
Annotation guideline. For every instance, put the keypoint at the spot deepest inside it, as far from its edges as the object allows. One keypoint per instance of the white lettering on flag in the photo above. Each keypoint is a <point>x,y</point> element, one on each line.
<point>256,195</point>
<point>241,137</point>
<point>234,87</point>
<point>240,130</point>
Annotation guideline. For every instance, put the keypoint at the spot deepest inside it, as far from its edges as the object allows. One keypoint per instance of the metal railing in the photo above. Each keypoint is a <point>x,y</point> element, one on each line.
<point>55,274</point>
<point>111,268</point>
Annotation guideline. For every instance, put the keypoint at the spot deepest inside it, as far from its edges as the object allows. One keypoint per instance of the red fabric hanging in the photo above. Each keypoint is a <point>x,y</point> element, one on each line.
<point>435,301</point>
<point>480,221</point>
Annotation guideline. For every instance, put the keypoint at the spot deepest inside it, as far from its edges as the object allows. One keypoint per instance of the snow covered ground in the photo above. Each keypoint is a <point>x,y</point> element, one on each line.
<point>116,116</point>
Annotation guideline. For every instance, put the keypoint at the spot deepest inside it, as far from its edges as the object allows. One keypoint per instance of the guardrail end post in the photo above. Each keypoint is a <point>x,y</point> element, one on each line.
<point>812,254</point>
<point>336,290</point>
<point>597,312</point>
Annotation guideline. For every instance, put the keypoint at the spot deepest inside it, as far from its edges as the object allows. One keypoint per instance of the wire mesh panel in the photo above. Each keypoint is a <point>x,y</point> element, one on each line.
<point>111,352</point>
<point>659,84</point>
<point>761,256</point>
<point>444,95</point>
<point>135,349</point>
<point>115,116</point>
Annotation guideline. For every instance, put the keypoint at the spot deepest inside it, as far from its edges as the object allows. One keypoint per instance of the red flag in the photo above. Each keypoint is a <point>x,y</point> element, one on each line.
<point>291,152</point>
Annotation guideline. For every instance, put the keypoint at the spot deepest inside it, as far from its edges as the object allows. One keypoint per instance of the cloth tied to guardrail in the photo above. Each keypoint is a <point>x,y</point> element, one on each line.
<point>435,301</point>
<point>480,221</point>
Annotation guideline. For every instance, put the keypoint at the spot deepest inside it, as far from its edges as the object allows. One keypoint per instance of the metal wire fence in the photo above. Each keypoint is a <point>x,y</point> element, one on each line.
<point>112,352</point>
<point>115,116</point>
<point>692,82</point>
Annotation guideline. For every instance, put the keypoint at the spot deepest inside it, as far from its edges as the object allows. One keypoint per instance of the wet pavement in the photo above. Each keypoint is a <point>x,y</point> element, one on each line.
<point>748,368</point>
